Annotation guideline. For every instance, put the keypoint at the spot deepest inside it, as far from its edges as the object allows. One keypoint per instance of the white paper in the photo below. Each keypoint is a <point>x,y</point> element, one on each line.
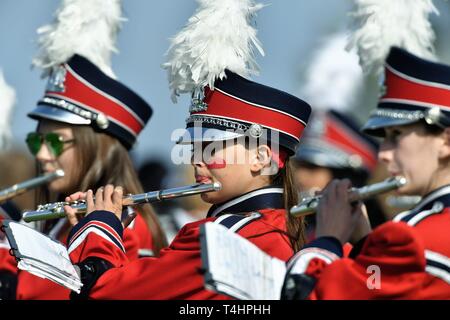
<point>44,257</point>
<point>239,268</point>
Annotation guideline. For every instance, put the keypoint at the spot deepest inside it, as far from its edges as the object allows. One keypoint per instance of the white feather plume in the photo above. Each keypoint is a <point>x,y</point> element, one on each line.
<point>381,24</point>
<point>85,27</point>
<point>334,76</point>
<point>218,36</point>
<point>7,102</point>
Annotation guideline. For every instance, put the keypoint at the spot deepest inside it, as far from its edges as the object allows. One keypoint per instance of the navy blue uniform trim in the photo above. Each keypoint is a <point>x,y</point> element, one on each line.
<point>236,222</point>
<point>249,203</point>
<point>285,140</point>
<point>331,244</point>
<point>357,247</point>
<point>444,199</point>
<point>231,220</point>
<point>8,285</point>
<point>436,264</point>
<point>112,87</point>
<point>256,93</point>
<point>103,216</point>
<point>90,270</point>
<point>11,210</point>
<point>416,67</point>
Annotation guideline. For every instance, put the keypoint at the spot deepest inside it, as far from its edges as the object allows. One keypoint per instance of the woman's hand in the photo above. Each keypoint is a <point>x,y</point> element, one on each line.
<point>108,198</point>
<point>71,213</point>
<point>336,216</point>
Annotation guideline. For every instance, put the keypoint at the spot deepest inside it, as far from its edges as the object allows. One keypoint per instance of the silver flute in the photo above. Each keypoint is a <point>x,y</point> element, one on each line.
<point>56,209</point>
<point>309,205</point>
<point>22,187</point>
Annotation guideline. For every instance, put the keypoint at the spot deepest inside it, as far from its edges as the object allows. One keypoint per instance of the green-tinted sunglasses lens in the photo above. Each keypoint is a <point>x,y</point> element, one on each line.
<point>55,143</point>
<point>34,142</point>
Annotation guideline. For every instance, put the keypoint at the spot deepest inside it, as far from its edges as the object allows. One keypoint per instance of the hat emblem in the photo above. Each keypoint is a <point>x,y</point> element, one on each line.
<point>197,103</point>
<point>355,161</point>
<point>255,130</point>
<point>56,80</point>
<point>102,121</point>
<point>432,115</point>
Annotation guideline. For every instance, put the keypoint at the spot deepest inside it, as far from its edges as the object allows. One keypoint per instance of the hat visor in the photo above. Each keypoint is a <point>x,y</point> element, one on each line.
<point>57,114</point>
<point>376,124</point>
<point>197,134</point>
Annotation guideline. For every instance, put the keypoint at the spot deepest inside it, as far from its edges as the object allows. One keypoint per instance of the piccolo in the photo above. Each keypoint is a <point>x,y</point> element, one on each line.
<point>56,209</point>
<point>22,187</point>
<point>309,205</point>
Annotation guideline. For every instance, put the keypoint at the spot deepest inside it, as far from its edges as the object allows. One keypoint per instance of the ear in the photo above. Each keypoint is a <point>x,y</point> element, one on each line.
<point>444,151</point>
<point>261,159</point>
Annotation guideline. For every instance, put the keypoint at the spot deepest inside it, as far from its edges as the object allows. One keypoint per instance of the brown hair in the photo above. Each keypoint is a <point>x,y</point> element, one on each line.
<point>295,226</point>
<point>285,178</point>
<point>102,160</point>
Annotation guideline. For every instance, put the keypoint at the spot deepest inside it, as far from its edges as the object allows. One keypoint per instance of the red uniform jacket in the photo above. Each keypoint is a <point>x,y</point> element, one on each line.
<point>7,262</point>
<point>177,273</point>
<point>137,239</point>
<point>407,258</point>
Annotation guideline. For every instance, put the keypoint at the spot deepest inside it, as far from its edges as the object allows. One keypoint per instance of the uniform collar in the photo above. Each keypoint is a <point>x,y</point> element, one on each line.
<point>441,194</point>
<point>435,201</point>
<point>268,197</point>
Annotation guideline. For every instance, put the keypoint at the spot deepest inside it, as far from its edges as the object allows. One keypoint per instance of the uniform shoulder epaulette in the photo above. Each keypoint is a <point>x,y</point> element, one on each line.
<point>236,222</point>
<point>412,217</point>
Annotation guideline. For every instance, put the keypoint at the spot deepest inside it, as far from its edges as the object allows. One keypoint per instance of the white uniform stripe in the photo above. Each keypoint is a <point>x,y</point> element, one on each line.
<point>401,215</point>
<point>261,106</point>
<point>80,239</point>
<point>422,215</point>
<point>221,218</point>
<point>414,103</point>
<point>434,256</point>
<point>300,262</point>
<point>244,221</point>
<point>236,119</point>
<point>418,81</point>
<point>435,270</point>
<point>424,202</point>
<point>104,94</point>
<point>245,197</point>
<point>438,273</point>
<point>121,124</point>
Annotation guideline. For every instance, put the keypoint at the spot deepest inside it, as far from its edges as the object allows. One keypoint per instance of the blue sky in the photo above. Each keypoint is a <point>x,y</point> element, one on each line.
<point>288,29</point>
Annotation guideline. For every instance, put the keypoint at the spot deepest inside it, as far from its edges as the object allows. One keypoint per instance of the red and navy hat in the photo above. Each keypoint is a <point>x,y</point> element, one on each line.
<point>414,90</point>
<point>333,140</point>
<point>79,93</point>
<point>238,106</point>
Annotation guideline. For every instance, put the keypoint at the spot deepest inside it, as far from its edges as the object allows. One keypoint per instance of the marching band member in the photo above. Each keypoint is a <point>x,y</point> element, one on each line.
<point>409,257</point>
<point>229,118</point>
<point>87,122</point>
<point>333,148</point>
<point>8,210</point>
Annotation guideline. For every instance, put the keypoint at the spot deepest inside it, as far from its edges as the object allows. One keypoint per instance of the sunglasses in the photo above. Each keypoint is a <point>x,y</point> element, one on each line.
<point>54,142</point>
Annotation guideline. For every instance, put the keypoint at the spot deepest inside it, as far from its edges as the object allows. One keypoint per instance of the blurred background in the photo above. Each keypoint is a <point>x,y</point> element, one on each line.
<point>290,31</point>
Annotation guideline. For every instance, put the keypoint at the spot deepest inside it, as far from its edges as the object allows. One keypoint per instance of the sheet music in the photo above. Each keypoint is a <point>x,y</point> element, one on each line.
<point>238,268</point>
<point>42,256</point>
